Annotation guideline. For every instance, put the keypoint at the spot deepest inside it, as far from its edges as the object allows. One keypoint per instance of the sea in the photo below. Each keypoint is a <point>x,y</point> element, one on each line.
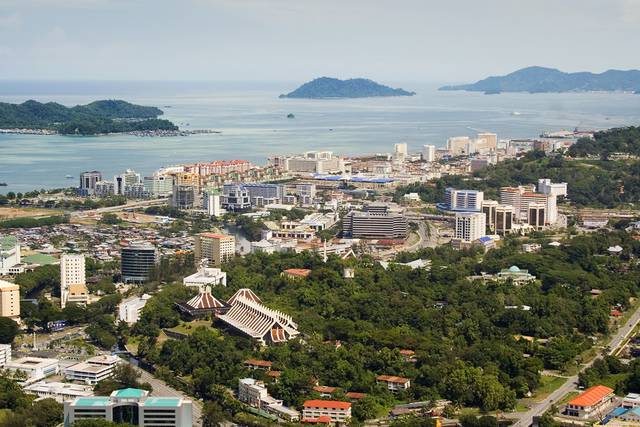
<point>253,124</point>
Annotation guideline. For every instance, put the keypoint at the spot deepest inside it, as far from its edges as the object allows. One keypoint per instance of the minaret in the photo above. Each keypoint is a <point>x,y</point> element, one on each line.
<point>324,251</point>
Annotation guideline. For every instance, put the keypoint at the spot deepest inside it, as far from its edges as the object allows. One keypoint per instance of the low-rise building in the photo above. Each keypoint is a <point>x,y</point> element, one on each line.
<point>330,411</point>
<point>592,403</point>
<point>206,276</point>
<point>61,392</point>
<point>296,273</point>
<point>35,368</point>
<point>254,393</point>
<point>516,275</point>
<point>394,383</point>
<point>93,370</point>
<point>129,310</point>
<point>9,254</point>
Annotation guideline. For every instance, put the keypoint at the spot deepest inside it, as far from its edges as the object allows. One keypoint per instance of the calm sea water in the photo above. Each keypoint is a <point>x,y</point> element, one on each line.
<point>254,125</point>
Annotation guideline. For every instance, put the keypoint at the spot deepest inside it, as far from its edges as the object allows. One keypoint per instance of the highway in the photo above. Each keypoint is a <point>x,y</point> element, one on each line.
<point>526,419</point>
<point>138,204</point>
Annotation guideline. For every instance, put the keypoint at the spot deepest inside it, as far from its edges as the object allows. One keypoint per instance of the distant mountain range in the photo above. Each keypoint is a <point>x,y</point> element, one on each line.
<point>540,79</point>
<point>107,116</point>
<point>327,87</point>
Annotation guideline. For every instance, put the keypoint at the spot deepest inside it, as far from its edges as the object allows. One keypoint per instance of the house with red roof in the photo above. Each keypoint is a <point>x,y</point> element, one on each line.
<point>393,382</point>
<point>325,391</point>
<point>595,402</point>
<point>354,395</point>
<point>264,365</point>
<point>296,273</point>
<point>326,411</point>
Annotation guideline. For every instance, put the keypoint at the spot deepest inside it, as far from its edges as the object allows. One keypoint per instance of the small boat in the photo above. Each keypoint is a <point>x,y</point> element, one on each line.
<point>3,184</point>
<point>69,176</point>
<point>516,113</point>
<point>291,116</point>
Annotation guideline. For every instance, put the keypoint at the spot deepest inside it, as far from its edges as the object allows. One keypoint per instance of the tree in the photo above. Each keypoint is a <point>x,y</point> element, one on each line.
<point>212,414</point>
<point>8,330</point>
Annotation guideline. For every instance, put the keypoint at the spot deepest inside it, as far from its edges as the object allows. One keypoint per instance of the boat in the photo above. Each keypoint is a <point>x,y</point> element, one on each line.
<point>3,184</point>
<point>291,116</point>
<point>69,176</point>
<point>516,113</point>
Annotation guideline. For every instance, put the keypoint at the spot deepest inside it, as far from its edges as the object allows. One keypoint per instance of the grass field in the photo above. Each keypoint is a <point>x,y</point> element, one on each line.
<point>187,328</point>
<point>548,383</point>
<point>12,213</point>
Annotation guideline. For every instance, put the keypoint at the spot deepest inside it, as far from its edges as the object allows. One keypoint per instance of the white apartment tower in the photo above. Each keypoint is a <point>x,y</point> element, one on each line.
<point>72,276</point>
<point>470,226</point>
<point>429,153</point>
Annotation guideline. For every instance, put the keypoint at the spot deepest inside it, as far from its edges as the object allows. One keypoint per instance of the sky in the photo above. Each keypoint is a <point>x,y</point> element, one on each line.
<point>289,40</point>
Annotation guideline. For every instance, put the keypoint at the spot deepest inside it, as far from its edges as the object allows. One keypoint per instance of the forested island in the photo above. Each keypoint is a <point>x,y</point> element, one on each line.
<point>327,87</point>
<point>541,79</point>
<point>98,117</point>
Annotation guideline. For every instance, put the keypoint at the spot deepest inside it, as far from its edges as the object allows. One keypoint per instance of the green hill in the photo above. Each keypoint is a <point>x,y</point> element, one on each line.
<point>327,87</point>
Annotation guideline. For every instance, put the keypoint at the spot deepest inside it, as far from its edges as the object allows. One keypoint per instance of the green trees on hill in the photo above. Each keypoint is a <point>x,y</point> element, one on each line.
<point>619,140</point>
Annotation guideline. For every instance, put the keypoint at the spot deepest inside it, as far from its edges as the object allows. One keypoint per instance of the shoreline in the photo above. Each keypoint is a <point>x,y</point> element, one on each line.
<point>141,133</point>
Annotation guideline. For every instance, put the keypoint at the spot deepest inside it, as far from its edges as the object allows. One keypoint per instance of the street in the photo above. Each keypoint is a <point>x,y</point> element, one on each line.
<point>526,419</point>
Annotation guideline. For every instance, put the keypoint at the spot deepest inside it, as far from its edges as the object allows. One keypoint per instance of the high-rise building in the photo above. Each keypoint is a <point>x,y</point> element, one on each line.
<point>235,197</point>
<point>211,202</point>
<point>9,300</point>
<point>487,141</point>
<point>183,196</point>
<point>520,198</point>
<point>9,254</point>
<point>215,248</point>
<point>489,209</point>
<point>470,226</point>
<point>88,182</point>
<point>158,185</point>
<point>429,153</point>
<point>400,151</point>
<point>311,162</point>
<point>131,406</point>
<point>504,219</point>
<point>545,186</point>
<point>104,188</point>
<point>458,145</point>
<point>462,200</point>
<point>377,221</point>
<point>120,182</point>
<point>136,262</point>
<point>262,194</point>
<point>536,215</point>
<point>73,283</point>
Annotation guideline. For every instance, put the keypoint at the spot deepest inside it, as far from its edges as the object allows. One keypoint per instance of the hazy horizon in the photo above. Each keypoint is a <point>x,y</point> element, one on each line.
<point>296,41</point>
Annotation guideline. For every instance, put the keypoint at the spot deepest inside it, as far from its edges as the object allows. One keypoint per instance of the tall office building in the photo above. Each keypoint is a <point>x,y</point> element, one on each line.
<point>215,248</point>
<point>183,196</point>
<point>120,182</point>
<point>536,215</point>
<point>262,194</point>
<point>211,202</point>
<point>489,209</point>
<point>487,141</point>
<point>429,153</point>
<point>73,283</point>
<point>470,226</point>
<point>462,200</point>
<point>400,151</point>
<point>158,185</point>
<point>132,407</point>
<point>9,300</point>
<point>88,182</point>
<point>504,219</point>
<point>520,198</point>
<point>458,145</point>
<point>136,262</point>
<point>235,197</point>
<point>9,254</point>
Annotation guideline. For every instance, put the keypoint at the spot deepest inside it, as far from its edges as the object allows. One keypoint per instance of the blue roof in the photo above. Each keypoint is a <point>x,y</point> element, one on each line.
<point>93,401</point>
<point>162,402</point>
<point>619,411</point>
<point>485,239</point>
<point>129,393</point>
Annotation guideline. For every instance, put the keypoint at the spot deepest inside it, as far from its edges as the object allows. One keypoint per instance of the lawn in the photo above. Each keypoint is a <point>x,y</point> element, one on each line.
<point>187,328</point>
<point>548,384</point>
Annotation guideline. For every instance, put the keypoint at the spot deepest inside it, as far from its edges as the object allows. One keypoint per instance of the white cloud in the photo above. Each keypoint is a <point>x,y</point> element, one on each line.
<point>631,11</point>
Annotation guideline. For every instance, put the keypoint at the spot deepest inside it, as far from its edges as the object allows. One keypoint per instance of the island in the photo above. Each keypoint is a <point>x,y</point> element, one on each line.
<point>541,79</point>
<point>99,117</point>
<point>328,87</point>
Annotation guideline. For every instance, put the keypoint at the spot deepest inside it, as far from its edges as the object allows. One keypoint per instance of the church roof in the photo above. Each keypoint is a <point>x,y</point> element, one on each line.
<point>244,293</point>
<point>204,301</point>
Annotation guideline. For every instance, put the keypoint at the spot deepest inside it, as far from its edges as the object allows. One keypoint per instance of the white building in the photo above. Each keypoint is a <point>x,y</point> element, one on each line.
<point>92,370</point>
<point>470,226</point>
<point>429,153</point>
<point>61,392</point>
<point>35,368</point>
<point>310,162</point>
<point>72,279</point>
<point>158,185</point>
<point>124,180</point>
<point>458,145</point>
<point>394,383</point>
<point>211,203</point>
<point>206,276</point>
<point>400,151</point>
<point>545,186</point>
<point>319,221</point>
<point>129,310</point>
<point>520,197</point>
<point>5,354</point>
<point>254,393</point>
<point>9,254</point>
<point>463,200</point>
<point>333,411</point>
<point>130,403</point>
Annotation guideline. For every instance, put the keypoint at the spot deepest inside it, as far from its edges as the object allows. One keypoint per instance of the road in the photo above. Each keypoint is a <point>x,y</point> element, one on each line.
<point>160,388</point>
<point>138,204</point>
<point>569,385</point>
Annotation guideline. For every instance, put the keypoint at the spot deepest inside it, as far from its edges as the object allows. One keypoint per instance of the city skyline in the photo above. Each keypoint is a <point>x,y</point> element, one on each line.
<point>295,41</point>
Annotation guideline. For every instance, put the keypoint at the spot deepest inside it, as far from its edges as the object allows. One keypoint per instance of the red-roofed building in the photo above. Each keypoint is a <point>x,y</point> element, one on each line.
<point>296,273</point>
<point>352,395</point>
<point>325,391</point>
<point>275,375</point>
<point>616,313</point>
<point>394,383</point>
<point>408,356</point>
<point>337,412</point>
<point>258,364</point>
<point>594,402</point>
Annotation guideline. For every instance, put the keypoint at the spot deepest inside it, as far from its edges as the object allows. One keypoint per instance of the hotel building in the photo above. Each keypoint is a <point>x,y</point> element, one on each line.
<point>215,248</point>
<point>470,226</point>
<point>9,300</point>
<point>73,284</point>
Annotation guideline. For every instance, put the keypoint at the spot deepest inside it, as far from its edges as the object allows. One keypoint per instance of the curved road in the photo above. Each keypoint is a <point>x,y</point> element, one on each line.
<point>526,419</point>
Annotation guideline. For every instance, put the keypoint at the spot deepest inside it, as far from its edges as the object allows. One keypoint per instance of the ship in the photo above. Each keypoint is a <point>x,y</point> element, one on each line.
<point>3,184</point>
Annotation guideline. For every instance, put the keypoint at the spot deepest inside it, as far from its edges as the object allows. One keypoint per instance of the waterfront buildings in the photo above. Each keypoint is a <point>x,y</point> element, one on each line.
<point>327,411</point>
<point>124,180</point>
<point>206,276</point>
<point>158,185</point>
<point>88,182</point>
<point>132,406</point>
<point>215,248</point>
<point>36,368</point>
<point>73,284</point>
<point>60,392</point>
<point>250,317</point>
<point>377,221</point>
<point>92,370</point>
<point>470,226</point>
<point>9,300</point>
<point>10,255</point>
<point>310,162</point>
<point>462,200</point>
<point>104,188</point>
<point>129,310</point>
<point>183,196</point>
<point>429,153</point>
<point>136,262</point>
<point>458,145</point>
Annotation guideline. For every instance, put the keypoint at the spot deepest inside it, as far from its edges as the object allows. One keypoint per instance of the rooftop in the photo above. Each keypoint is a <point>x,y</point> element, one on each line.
<point>162,402</point>
<point>333,404</point>
<point>591,396</point>
<point>129,393</point>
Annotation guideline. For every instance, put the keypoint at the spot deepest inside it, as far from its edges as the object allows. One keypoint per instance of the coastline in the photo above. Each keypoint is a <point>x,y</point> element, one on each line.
<point>142,133</point>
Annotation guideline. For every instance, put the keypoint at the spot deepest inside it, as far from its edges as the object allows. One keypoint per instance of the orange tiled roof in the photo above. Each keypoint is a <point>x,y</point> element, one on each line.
<point>333,404</point>
<point>324,389</point>
<point>274,374</point>
<point>392,379</point>
<point>355,395</point>
<point>255,362</point>
<point>298,272</point>
<point>591,396</point>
